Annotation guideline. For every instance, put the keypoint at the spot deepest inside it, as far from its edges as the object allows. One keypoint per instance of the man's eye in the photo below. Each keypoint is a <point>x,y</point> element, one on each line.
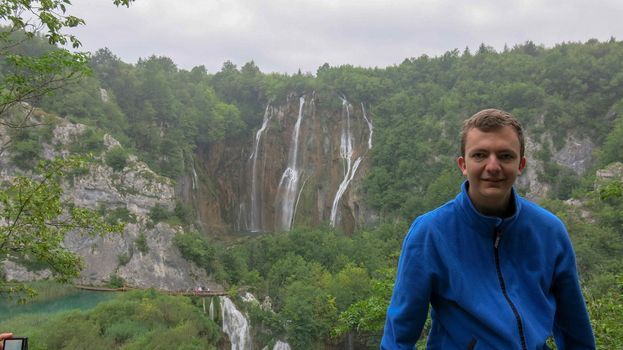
<point>478,155</point>
<point>507,157</point>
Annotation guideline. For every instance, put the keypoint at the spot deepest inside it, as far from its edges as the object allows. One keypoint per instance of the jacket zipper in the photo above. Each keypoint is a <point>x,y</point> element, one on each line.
<point>498,236</point>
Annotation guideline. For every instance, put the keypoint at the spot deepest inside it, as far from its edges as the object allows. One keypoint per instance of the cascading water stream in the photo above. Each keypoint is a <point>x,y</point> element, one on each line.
<point>346,153</point>
<point>194,175</point>
<point>341,189</point>
<point>370,127</point>
<point>235,325</point>
<point>279,345</point>
<point>288,184</point>
<point>255,216</point>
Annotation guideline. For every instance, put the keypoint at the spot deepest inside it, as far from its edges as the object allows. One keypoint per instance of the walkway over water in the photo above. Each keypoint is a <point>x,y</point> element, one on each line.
<point>202,293</point>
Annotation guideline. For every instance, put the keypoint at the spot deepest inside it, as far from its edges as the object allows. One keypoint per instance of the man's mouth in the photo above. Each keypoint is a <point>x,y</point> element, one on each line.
<point>493,180</point>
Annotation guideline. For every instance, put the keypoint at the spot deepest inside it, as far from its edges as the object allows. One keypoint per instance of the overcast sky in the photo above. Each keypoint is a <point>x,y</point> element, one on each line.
<point>288,35</point>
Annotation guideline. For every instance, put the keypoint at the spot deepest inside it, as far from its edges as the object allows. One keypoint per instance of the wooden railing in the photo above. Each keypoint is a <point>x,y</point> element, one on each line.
<point>202,293</point>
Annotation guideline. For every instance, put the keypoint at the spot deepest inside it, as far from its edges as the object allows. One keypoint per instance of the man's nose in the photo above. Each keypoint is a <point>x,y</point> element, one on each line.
<point>493,164</point>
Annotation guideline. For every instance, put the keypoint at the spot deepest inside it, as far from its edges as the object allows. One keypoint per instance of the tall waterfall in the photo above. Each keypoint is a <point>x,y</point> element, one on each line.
<point>346,153</point>
<point>370,127</point>
<point>288,185</point>
<point>235,325</point>
<point>255,216</point>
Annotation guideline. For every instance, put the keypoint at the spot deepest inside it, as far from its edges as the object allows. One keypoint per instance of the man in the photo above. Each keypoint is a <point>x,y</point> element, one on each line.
<point>499,271</point>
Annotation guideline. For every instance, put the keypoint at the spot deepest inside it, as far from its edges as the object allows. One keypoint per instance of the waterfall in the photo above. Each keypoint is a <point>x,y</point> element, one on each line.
<point>194,175</point>
<point>341,189</point>
<point>279,345</point>
<point>255,219</point>
<point>370,127</point>
<point>235,325</point>
<point>289,180</point>
<point>346,153</point>
<point>211,309</point>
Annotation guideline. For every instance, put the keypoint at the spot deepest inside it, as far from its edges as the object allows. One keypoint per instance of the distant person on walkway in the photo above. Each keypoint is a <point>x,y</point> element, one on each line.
<point>498,270</point>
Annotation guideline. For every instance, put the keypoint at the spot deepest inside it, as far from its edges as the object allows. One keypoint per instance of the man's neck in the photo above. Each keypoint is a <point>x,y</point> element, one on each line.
<point>503,209</point>
<point>501,212</point>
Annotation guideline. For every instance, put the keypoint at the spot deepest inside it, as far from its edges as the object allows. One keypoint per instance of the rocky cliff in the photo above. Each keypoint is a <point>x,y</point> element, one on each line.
<point>133,191</point>
<point>302,166</point>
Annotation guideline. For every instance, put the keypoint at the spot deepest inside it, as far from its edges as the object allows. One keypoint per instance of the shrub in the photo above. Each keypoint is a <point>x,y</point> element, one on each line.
<point>117,158</point>
<point>184,213</point>
<point>119,215</point>
<point>25,153</point>
<point>115,281</point>
<point>123,259</point>
<point>159,213</point>
<point>141,243</point>
<point>89,141</point>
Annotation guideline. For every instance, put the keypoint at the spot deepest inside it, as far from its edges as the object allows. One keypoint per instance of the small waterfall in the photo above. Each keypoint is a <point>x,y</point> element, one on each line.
<point>279,345</point>
<point>194,175</point>
<point>235,325</point>
<point>346,153</point>
<point>370,127</point>
<point>211,309</point>
<point>255,215</point>
<point>289,180</point>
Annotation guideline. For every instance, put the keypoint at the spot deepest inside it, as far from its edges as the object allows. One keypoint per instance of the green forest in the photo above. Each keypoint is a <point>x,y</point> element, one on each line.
<point>326,287</point>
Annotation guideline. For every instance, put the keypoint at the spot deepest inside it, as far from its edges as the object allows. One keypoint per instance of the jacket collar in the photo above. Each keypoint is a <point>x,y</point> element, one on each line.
<point>474,217</point>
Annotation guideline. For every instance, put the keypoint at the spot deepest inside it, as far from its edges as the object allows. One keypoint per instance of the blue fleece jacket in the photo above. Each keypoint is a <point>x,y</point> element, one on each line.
<point>485,295</point>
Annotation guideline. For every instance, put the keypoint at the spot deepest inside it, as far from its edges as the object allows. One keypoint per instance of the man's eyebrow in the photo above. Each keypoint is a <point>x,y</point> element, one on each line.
<point>487,150</point>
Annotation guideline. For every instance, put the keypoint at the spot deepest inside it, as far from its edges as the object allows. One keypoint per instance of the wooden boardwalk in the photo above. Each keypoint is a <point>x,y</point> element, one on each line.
<point>203,293</point>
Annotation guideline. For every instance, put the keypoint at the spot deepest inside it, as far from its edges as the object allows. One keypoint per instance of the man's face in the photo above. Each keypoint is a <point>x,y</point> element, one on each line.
<point>491,165</point>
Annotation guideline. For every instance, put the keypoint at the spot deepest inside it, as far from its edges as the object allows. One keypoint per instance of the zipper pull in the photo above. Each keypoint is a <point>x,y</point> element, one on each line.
<point>498,236</point>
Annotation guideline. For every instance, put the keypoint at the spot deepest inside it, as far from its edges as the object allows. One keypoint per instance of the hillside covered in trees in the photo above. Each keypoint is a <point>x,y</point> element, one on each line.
<point>327,287</point>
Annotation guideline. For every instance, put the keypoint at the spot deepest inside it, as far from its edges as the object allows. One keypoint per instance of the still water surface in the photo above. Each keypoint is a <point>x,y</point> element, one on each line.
<point>71,299</point>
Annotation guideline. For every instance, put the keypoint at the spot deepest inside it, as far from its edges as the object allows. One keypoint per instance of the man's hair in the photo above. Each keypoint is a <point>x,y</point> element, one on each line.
<point>489,120</point>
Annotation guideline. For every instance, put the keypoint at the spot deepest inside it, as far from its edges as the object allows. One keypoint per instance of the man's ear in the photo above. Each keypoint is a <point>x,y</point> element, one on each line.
<point>522,165</point>
<point>460,161</point>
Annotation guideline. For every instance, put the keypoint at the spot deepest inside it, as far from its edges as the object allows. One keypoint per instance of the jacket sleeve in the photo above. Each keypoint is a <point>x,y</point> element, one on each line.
<point>572,327</point>
<point>410,299</point>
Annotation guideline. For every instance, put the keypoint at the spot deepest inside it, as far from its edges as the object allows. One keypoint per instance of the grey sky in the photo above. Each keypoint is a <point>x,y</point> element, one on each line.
<point>284,36</point>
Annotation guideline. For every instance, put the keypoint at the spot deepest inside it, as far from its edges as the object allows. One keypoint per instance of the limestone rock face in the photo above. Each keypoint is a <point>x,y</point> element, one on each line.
<point>576,154</point>
<point>612,172</point>
<point>158,263</point>
<point>529,179</point>
<point>161,266</point>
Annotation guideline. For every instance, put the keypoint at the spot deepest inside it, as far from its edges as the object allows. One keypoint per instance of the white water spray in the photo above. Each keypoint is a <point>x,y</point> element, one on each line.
<point>370,127</point>
<point>235,325</point>
<point>255,219</point>
<point>346,153</point>
<point>194,175</point>
<point>288,184</point>
<point>279,345</point>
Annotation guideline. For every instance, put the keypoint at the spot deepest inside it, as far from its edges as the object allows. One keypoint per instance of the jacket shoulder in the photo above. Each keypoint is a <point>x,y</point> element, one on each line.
<point>535,212</point>
<point>431,222</point>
